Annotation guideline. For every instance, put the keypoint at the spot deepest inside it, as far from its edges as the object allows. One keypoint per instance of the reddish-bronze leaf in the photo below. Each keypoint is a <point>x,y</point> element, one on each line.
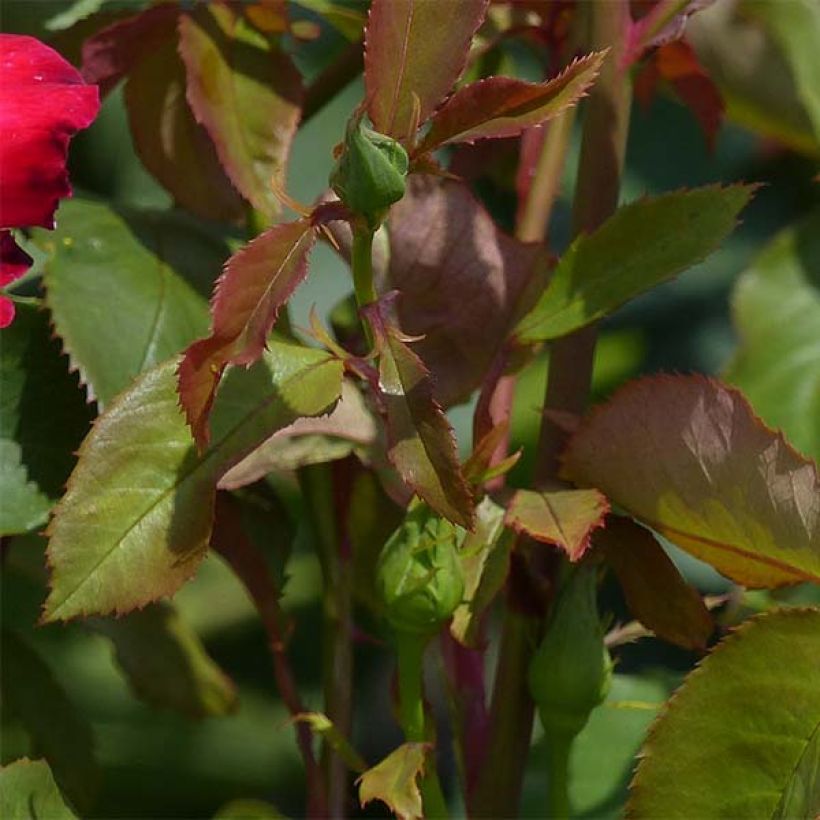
<point>421,443</point>
<point>246,93</point>
<point>415,50</point>
<point>664,23</point>
<point>256,282</point>
<point>687,456</point>
<point>563,518</point>
<point>657,594</point>
<point>504,106</point>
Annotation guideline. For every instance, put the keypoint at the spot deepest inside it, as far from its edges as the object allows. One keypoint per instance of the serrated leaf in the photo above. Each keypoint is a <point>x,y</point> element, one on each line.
<point>504,106</point>
<point>655,591</point>
<point>43,417</point>
<point>125,289</point>
<point>739,738</point>
<point>394,781</point>
<point>562,518</point>
<point>33,695</point>
<point>247,94</point>
<point>28,792</point>
<point>257,280</point>
<point>639,246</point>
<point>686,456</point>
<point>776,308</point>
<point>421,443</point>
<point>444,244</point>
<point>136,519</point>
<point>414,53</point>
<point>166,664</point>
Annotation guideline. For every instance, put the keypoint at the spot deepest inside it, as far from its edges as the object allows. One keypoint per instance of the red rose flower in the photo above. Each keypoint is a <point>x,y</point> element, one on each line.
<point>43,103</point>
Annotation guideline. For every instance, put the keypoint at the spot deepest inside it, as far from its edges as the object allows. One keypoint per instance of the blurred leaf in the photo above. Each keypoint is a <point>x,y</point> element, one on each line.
<point>28,792</point>
<point>31,693</point>
<point>348,21</point>
<point>485,561</point>
<point>443,245</point>
<point>122,288</point>
<point>776,306</point>
<point>394,781</point>
<point>247,93</point>
<point>663,23</point>
<point>639,246</point>
<point>415,50</point>
<point>166,664</point>
<point>504,106</point>
<point>321,725</point>
<point>248,810</point>
<point>421,443</point>
<point>78,10</point>
<point>655,591</point>
<point>686,456</point>
<point>136,519</point>
<point>257,280</point>
<point>43,417</point>
<point>562,518</point>
<point>739,738</point>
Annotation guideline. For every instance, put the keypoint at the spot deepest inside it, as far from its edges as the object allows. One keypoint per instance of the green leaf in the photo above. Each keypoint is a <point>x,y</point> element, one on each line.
<point>421,443</point>
<point>739,738</point>
<point>247,93</point>
<point>257,280</point>
<point>125,289</point>
<point>686,456</point>
<point>248,810</point>
<point>563,518</point>
<point>43,417</point>
<point>166,664</point>
<point>414,53</point>
<point>657,594</point>
<point>394,781</point>
<point>320,724</point>
<point>136,519</point>
<point>776,307</point>
<point>639,246</point>
<point>33,695</point>
<point>505,106</point>
<point>28,792</point>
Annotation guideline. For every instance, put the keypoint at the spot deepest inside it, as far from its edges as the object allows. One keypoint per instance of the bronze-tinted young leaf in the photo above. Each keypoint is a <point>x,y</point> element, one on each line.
<point>741,737</point>
<point>563,518</point>
<point>136,519</point>
<point>247,94</point>
<point>687,456</point>
<point>505,106</point>
<point>28,792</point>
<point>462,281</point>
<point>170,142</point>
<point>166,664</point>
<point>415,50</point>
<point>256,282</point>
<point>657,594</point>
<point>421,443</point>
<point>394,781</point>
<point>639,246</point>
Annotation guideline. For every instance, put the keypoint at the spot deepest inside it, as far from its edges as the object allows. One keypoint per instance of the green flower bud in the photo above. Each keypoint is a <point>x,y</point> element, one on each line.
<point>419,575</point>
<point>571,671</point>
<point>370,173</point>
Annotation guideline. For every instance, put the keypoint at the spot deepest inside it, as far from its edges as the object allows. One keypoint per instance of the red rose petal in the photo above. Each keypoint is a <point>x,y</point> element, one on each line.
<point>43,103</point>
<point>14,262</point>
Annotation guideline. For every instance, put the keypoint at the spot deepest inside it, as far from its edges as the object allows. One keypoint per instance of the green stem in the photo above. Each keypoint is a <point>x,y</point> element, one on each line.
<point>558,794</point>
<point>361,261</point>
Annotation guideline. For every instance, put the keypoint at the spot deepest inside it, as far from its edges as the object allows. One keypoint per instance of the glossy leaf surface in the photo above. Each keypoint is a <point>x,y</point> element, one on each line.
<point>28,792</point>
<point>126,289</point>
<point>655,591</point>
<point>415,50</point>
<point>505,106</point>
<point>686,456</point>
<point>563,518</point>
<point>639,246</point>
<point>776,307</point>
<point>246,92</point>
<point>394,781</point>
<point>740,745</point>
<point>137,517</point>
<point>256,282</point>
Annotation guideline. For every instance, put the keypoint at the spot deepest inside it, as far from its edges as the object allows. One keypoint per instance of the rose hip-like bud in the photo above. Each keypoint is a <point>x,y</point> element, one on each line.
<point>571,671</point>
<point>370,173</point>
<point>419,575</point>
